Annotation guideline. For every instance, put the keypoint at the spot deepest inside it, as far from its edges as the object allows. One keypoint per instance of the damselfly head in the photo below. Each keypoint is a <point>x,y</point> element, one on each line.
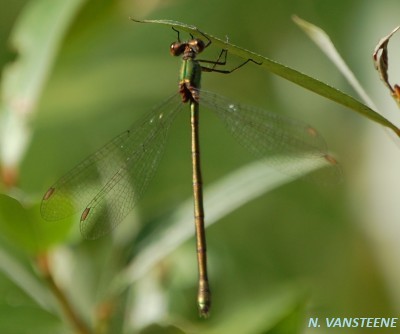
<point>194,45</point>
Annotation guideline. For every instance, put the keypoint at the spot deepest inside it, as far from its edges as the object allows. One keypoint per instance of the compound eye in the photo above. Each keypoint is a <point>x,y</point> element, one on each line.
<point>176,48</point>
<point>197,45</point>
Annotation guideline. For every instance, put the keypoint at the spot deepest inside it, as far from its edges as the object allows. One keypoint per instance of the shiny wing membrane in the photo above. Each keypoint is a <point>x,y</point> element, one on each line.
<point>111,181</point>
<point>276,137</point>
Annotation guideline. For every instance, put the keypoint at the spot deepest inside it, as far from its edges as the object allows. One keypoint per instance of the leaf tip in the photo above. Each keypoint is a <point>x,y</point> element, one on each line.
<point>135,20</point>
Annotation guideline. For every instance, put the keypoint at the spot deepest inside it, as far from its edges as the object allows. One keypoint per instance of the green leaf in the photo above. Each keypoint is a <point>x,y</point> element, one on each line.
<point>322,40</point>
<point>36,37</point>
<point>293,321</point>
<point>16,224</point>
<point>286,72</point>
<point>275,312</point>
<point>22,276</point>
<point>158,329</point>
<point>23,227</point>
<point>33,317</point>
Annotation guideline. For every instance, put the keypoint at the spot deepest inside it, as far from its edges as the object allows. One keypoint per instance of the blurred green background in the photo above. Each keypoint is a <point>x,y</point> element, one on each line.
<point>297,252</point>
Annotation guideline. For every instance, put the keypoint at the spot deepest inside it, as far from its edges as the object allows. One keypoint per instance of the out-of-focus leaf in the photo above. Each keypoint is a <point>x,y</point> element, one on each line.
<point>17,273</point>
<point>24,227</point>
<point>265,313</point>
<point>220,199</point>
<point>16,223</point>
<point>292,322</point>
<point>22,319</point>
<point>36,37</point>
<point>155,329</point>
<point>287,73</point>
<point>322,40</point>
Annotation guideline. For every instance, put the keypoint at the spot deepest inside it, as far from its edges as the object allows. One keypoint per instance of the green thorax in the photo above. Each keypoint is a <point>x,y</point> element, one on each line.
<point>190,73</point>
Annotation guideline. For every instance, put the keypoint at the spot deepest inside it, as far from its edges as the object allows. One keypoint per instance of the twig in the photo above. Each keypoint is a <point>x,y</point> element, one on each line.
<point>66,306</point>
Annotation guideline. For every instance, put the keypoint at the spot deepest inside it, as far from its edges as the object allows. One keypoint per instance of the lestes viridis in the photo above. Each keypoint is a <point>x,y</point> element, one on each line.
<point>113,179</point>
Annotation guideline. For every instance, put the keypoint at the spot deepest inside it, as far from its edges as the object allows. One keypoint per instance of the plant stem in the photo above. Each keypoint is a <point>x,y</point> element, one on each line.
<point>66,306</point>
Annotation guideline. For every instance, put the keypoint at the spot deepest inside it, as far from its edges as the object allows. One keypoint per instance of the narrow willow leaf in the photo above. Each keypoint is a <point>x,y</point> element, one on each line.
<point>285,72</point>
<point>322,40</point>
<point>11,267</point>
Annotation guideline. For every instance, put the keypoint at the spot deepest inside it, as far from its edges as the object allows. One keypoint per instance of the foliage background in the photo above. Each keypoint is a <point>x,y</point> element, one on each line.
<point>300,251</point>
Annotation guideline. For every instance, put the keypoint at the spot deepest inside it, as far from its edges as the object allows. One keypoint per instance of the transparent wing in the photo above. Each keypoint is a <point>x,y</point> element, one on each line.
<point>271,135</point>
<point>111,181</point>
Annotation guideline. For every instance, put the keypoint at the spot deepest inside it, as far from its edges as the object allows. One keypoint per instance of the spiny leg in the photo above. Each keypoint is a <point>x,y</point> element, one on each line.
<point>223,54</point>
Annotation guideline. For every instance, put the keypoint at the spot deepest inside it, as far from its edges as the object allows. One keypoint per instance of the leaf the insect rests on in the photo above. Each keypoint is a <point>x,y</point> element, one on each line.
<point>285,72</point>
